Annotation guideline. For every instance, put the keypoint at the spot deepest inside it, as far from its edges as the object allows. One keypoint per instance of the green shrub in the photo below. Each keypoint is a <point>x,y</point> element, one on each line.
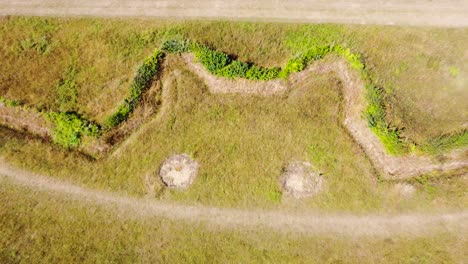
<point>294,65</point>
<point>70,127</point>
<point>236,69</point>
<point>214,61</point>
<point>140,83</point>
<point>176,45</point>
<point>316,53</point>
<point>375,115</point>
<point>260,73</point>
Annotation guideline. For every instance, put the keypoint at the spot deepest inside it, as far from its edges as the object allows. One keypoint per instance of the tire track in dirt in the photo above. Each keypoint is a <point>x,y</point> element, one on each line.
<point>305,223</point>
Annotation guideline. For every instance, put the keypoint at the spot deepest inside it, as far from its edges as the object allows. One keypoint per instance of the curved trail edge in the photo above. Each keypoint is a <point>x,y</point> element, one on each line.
<point>348,225</point>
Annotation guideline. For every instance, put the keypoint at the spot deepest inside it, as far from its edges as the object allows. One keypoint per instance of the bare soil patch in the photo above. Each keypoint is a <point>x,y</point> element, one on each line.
<point>179,171</point>
<point>301,179</point>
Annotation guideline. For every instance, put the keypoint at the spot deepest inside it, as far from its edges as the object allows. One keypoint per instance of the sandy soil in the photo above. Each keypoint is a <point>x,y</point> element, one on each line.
<point>448,13</point>
<point>306,223</point>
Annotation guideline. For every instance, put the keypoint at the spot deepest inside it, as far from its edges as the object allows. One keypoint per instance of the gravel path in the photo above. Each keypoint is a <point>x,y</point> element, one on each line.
<point>448,13</point>
<point>308,223</point>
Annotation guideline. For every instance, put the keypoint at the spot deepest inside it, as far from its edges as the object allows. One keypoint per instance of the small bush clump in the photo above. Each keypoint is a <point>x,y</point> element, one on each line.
<point>214,61</point>
<point>140,83</point>
<point>70,127</point>
<point>176,46</point>
<point>375,115</point>
<point>263,74</point>
<point>237,69</point>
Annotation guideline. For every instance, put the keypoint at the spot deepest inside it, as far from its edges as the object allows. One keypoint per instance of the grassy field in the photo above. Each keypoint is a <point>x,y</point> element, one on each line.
<point>72,64</point>
<point>48,228</point>
<point>242,143</point>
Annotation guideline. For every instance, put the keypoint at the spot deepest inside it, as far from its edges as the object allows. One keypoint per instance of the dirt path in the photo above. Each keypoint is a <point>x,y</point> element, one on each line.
<point>450,13</point>
<point>307,223</point>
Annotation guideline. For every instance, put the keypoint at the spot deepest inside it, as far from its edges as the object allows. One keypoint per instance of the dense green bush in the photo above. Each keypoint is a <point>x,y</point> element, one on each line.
<point>70,127</point>
<point>214,61</point>
<point>237,69</point>
<point>294,65</point>
<point>260,73</point>
<point>140,83</point>
<point>176,45</point>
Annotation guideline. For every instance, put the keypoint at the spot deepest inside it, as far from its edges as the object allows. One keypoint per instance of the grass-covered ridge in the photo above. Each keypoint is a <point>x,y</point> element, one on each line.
<point>69,127</point>
<point>108,48</point>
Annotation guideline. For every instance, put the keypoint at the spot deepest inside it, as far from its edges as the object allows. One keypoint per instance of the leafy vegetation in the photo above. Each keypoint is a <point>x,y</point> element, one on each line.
<point>9,103</point>
<point>67,90</point>
<point>176,45</point>
<point>214,61</point>
<point>446,142</point>
<point>70,127</point>
<point>140,83</point>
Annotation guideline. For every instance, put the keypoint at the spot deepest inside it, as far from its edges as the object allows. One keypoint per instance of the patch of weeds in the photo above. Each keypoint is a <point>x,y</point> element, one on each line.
<point>454,71</point>
<point>176,46</point>
<point>67,90</point>
<point>446,142</point>
<point>375,115</point>
<point>41,44</point>
<point>309,36</point>
<point>430,189</point>
<point>10,103</point>
<point>237,69</point>
<point>213,60</point>
<point>70,127</point>
<point>274,196</point>
<point>261,73</point>
<point>140,83</point>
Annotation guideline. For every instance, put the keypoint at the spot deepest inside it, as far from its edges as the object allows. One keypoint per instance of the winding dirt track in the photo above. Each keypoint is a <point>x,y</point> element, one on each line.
<point>448,13</point>
<point>307,223</point>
